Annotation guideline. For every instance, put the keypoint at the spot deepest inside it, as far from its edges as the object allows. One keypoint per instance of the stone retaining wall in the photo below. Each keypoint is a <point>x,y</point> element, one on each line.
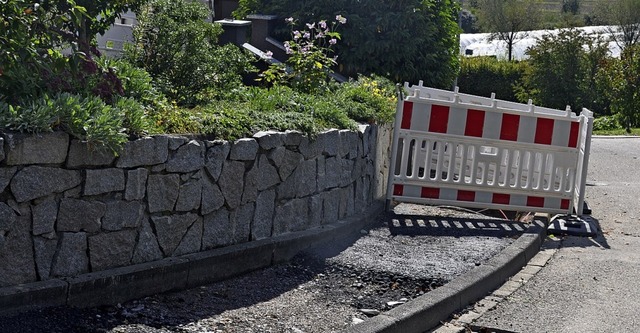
<point>66,211</point>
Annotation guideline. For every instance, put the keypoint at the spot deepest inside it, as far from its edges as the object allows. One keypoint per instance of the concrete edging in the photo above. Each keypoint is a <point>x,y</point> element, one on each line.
<point>176,273</point>
<point>429,310</point>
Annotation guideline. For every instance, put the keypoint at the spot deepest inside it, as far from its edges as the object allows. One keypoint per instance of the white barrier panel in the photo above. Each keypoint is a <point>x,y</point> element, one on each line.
<point>464,150</point>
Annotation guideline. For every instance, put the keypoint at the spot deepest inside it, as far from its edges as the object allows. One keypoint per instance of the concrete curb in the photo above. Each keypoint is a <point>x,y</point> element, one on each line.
<point>136,281</point>
<point>428,311</point>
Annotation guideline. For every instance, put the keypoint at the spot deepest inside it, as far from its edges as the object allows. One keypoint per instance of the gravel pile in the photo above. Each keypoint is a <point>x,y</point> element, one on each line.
<point>326,289</point>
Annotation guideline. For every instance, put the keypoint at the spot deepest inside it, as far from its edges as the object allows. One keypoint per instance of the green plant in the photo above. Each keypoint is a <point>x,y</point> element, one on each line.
<point>606,123</point>
<point>310,57</point>
<point>562,71</point>
<point>33,36</point>
<point>403,40</point>
<point>619,79</point>
<point>175,45</point>
<point>485,75</point>
<point>370,99</point>
<point>135,119</point>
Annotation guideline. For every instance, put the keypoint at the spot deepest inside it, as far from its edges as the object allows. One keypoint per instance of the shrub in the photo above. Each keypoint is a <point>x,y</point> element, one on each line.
<point>606,123</point>
<point>485,75</point>
<point>174,44</point>
<point>370,99</point>
<point>86,118</point>
<point>562,71</point>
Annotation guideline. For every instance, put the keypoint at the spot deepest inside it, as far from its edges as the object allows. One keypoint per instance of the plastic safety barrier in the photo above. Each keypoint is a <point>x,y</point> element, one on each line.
<point>463,150</point>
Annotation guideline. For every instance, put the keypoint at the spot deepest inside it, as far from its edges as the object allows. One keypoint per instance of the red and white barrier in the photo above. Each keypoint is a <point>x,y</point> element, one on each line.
<point>457,149</point>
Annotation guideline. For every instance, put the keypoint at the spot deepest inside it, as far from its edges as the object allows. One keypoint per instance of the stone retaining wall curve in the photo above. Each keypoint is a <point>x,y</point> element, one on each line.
<point>66,210</point>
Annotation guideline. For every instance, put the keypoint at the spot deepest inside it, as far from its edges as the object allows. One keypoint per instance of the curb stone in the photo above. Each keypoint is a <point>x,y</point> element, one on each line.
<point>429,310</point>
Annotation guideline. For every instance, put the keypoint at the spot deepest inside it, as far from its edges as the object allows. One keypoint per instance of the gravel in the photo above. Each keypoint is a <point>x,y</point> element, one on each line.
<point>325,289</point>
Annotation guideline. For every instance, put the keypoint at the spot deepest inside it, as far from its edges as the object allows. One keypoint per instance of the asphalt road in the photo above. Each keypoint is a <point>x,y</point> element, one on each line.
<point>590,285</point>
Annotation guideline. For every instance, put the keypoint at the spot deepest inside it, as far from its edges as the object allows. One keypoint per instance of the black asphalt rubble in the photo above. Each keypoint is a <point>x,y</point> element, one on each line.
<point>401,271</point>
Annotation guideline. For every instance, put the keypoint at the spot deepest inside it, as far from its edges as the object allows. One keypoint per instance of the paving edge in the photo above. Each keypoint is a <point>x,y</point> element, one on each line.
<point>176,273</point>
<point>429,310</point>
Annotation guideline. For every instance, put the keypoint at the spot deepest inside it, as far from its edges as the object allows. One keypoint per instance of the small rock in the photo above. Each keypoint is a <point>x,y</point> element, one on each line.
<point>370,312</point>
<point>394,303</point>
<point>137,308</point>
<point>356,321</point>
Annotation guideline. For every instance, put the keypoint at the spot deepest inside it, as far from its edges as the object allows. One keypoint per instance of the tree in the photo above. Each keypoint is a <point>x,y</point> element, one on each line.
<point>562,70</point>
<point>625,16</point>
<point>509,20</point>
<point>571,7</point>
<point>407,40</point>
<point>620,82</point>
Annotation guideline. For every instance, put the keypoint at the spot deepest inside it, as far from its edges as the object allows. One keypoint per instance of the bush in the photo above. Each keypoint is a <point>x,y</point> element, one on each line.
<point>174,44</point>
<point>606,123</point>
<point>563,70</point>
<point>370,99</point>
<point>85,118</point>
<point>485,75</point>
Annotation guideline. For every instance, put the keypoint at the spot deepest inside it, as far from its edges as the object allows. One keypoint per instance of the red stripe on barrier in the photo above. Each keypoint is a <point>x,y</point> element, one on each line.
<point>503,199</point>
<point>398,189</point>
<point>466,195</point>
<point>475,123</point>
<point>509,128</point>
<point>407,111</point>
<point>439,120</point>
<point>573,135</point>
<point>544,131</point>
<point>430,192</point>
<point>564,204</point>
<point>535,201</point>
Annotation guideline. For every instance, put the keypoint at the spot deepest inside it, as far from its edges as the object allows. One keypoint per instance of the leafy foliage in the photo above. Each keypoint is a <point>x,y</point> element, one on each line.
<point>562,71</point>
<point>484,75</point>
<point>174,44</point>
<point>619,80</point>
<point>404,40</point>
<point>370,99</point>
<point>309,65</point>
<point>85,118</point>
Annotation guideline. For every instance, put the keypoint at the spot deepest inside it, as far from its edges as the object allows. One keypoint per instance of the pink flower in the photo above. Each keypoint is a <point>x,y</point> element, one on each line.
<point>268,54</point>
<point>333,41</point>
<point>311,25</point>
<point>296,35</point>
<point>289,19</point>
<point>341,19</point>
<point>323,24</point>
<point>306,35</point>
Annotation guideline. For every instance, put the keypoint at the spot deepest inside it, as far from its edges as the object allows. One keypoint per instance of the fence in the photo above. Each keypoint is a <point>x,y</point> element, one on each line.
<point>464,150</point>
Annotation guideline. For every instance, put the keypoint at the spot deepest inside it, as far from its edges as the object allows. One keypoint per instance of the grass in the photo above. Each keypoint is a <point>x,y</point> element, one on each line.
<point>634,132</point>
